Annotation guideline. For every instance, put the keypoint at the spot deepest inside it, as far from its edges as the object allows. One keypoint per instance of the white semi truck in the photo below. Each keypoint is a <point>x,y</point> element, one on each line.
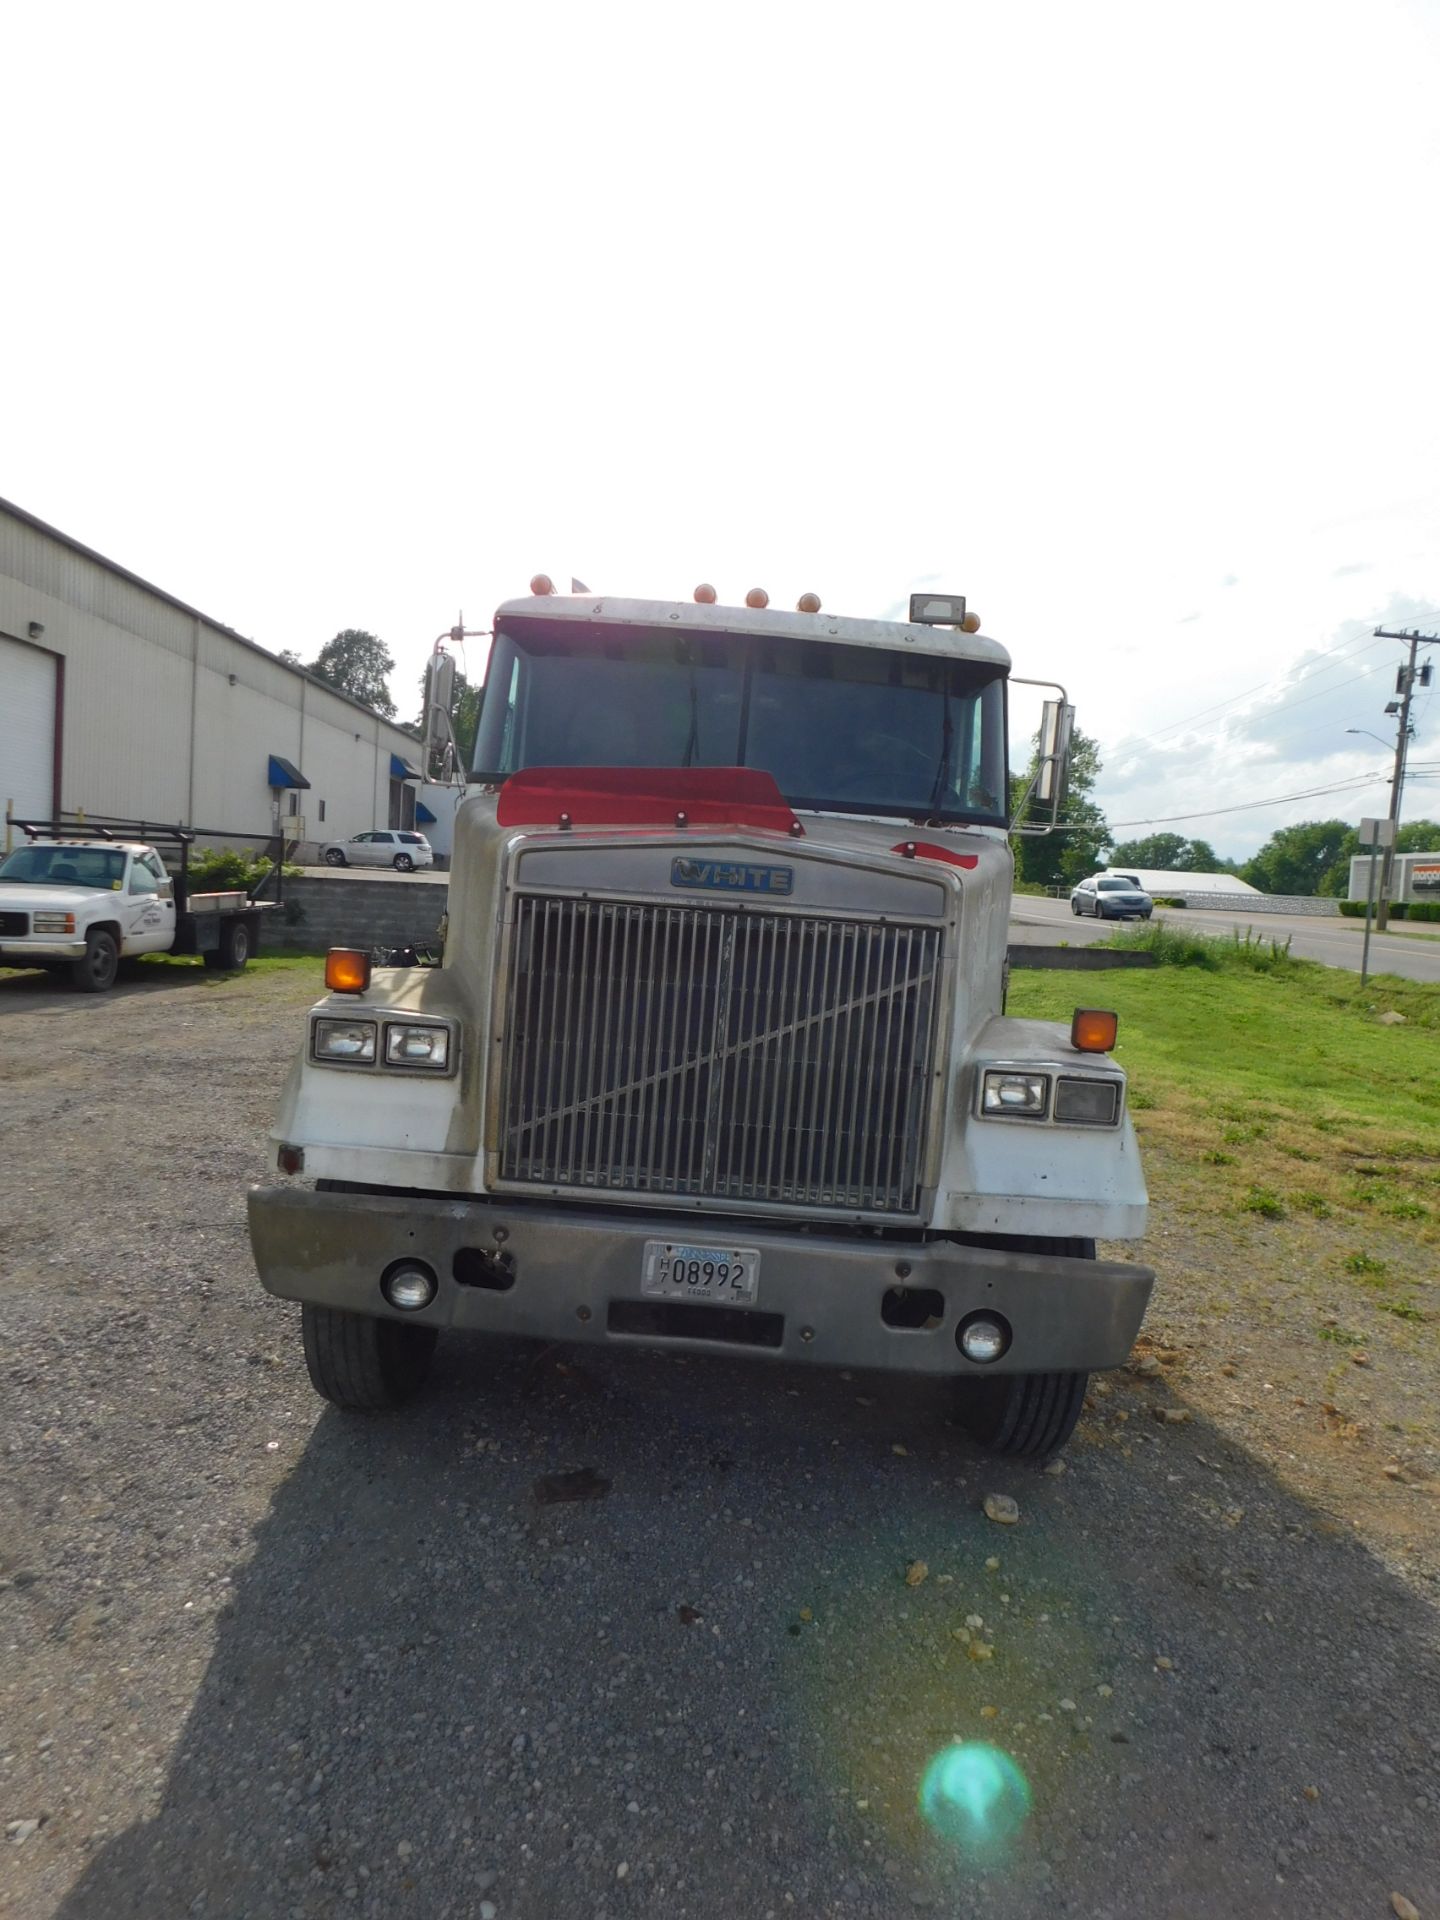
<point>717,1056</point>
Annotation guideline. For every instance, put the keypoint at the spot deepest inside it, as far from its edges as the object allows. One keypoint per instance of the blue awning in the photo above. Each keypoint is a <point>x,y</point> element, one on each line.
<point>284,773</point>
<point>402,769</point>
<point>423,816</point>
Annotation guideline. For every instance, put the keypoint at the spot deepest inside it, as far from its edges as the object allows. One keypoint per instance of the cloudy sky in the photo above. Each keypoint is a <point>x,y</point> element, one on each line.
<point>1119,318</point>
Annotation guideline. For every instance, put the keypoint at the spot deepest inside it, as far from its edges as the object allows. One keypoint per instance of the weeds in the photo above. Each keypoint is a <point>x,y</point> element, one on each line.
<point>1363,1263</point>
<point>1263,1201</point>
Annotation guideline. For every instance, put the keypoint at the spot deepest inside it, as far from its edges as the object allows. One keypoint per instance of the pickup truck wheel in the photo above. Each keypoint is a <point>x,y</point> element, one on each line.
<point>362,1364</point>
<point>95,973</point>
<point>334,857</point>
<point>403,863</point>
<point>234,949</point>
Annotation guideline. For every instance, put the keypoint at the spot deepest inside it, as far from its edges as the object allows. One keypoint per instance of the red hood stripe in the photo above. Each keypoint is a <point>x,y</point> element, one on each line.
<point>646,797</point>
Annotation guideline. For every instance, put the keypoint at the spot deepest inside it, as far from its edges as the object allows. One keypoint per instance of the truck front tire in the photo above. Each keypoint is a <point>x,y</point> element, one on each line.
<point>1026,1416</point>
<point>95,973</point>
<point>361,1364</point>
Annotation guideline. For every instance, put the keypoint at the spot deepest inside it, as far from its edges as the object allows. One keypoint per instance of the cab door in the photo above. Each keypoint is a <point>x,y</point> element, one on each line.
<point>149,906</point>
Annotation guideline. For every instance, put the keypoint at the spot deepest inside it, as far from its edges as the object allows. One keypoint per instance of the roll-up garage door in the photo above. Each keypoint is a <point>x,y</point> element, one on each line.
<point>27,730</point>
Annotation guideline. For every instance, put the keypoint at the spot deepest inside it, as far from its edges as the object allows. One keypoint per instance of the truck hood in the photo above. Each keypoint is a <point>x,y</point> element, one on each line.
<point>49,899</point>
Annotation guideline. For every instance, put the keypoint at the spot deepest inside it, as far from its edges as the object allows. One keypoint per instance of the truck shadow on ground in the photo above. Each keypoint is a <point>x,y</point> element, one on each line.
<point>712,1691</point>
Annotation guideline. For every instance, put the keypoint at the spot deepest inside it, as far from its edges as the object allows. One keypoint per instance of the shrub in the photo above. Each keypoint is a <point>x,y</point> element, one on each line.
<point>1263,1201</point>
<point>1353,909</point>
<point>1424,909</point>
<point>220,869</point>
<point>1363,1263</point>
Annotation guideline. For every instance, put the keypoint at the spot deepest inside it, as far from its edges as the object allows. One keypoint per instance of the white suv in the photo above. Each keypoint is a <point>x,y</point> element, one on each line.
<point>403,851</point>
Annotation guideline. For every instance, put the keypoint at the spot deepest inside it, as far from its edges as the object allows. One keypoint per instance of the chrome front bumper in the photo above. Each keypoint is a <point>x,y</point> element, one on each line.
<point>561,1273</point>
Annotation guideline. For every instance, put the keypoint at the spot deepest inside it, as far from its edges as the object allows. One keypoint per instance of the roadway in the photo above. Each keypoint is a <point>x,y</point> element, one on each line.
<point>1334,942</point>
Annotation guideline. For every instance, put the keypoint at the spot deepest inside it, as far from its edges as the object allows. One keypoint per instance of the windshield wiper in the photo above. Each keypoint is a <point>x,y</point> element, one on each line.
<point>947,737</point>
<point>692,739</point>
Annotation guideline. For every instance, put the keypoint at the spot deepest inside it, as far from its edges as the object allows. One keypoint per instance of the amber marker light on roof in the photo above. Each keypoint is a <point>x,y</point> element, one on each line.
<point>541,584</point>
<point>757,597</point>
<point>808,603</point>
<point>705,594</point>
<point>971,623</point>
<point>1093,1031</point>
<point>347,970</point>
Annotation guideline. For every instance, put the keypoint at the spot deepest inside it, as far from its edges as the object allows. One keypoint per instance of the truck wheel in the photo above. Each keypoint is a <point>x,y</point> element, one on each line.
<point>334,857</point>
<point>96,972</point>
<point>363,1364</point>
<point>234,949</point>
<point>1023,1415</point>
<point>1026,1416</point>
<point>403,863</point>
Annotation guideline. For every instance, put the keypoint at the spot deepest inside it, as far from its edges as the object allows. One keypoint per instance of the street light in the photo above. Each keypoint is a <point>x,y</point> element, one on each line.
<point>1387,744</point>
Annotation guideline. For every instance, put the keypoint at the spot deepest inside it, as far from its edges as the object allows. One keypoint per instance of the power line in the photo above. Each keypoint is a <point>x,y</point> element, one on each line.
<point>1357,783</point>
<point>1175,725</point>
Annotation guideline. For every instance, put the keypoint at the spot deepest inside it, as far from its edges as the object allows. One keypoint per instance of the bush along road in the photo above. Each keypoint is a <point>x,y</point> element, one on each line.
<point>614,1633</point>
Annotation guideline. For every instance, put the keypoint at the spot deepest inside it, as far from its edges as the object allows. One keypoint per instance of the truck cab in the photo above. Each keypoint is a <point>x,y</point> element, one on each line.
<point>717,1057</point>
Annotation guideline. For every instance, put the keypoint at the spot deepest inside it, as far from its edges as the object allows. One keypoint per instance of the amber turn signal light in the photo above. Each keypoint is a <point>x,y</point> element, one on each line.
<point>347,970</point>
<point>1093,1031</point>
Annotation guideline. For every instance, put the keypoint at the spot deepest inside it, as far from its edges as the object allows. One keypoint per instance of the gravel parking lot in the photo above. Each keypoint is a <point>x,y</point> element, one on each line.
<point>262,1659</point>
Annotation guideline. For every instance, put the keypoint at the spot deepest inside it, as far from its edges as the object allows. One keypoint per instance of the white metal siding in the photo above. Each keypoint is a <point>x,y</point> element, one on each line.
<point>27,729</point>
<point>169,717</point>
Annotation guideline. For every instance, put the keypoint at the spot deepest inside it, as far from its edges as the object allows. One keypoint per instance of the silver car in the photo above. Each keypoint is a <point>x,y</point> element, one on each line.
<point>404,851</point>
<point>1111,897</point>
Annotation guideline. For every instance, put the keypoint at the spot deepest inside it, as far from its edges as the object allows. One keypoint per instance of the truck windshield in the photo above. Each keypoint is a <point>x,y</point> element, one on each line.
<point>841,729</point>
<point>62,866</point>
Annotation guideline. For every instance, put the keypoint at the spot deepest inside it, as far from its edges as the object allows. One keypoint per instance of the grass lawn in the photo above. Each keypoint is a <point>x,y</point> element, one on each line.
<point>1280,1093</point>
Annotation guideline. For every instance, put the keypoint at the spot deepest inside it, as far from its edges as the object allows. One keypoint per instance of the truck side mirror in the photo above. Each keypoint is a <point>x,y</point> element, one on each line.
<point>1057,721</point>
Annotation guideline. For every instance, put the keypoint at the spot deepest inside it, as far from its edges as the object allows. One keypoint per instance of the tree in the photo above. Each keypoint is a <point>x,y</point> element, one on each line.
<point>1415,836</point>
<point>1060,859</point>
<point>1168,853</point>
<point>290,657</point>
<point>1296,859</point>
<point>355,662</point>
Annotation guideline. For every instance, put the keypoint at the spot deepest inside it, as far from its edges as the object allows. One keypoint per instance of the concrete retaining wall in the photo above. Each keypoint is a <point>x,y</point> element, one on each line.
<point>1304,903</point>
<point>320,913</point>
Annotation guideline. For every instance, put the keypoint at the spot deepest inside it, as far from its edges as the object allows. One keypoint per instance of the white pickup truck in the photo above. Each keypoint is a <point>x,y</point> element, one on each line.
<point>75,900</point>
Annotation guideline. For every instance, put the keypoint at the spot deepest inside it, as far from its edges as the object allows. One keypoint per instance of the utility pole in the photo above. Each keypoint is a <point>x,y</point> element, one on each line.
<point>1405,687</point>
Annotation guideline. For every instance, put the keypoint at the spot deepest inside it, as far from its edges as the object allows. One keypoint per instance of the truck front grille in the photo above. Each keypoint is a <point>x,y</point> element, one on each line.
<point>711,1053</point>
<point>15,925</point>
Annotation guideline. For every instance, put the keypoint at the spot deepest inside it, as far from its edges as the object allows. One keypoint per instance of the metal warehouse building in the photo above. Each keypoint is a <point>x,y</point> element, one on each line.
<point>118,700</point>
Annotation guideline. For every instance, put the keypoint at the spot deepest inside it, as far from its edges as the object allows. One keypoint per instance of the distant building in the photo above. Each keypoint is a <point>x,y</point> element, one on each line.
<point>118,699</point>
<point>1416,876</point>
<point>1154,881</point>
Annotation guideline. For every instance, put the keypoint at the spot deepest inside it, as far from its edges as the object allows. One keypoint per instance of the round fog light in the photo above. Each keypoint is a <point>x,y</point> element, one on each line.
<point>408,1285</point>
<point>983,1337</point>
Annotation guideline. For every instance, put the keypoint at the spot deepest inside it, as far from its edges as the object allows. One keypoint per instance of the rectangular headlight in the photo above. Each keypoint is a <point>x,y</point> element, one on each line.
<point>53,923</point>
<point>1091,1103</point>
<point>344,1040</point>
<point>1026,1095</point>
<point>412,1045</point>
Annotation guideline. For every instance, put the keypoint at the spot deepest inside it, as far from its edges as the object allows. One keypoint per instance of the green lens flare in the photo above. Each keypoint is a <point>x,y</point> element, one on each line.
<point>975,1796</point>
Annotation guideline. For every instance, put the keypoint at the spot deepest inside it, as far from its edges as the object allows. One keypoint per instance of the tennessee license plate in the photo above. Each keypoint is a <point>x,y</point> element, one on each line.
<point>679,1270</point>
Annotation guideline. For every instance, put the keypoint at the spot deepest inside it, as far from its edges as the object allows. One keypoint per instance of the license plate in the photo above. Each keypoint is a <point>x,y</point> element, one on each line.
<point>677,1270</point>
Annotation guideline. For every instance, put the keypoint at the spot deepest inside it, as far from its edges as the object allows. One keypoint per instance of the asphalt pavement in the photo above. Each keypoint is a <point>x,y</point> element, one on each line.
<point>1335,942</point>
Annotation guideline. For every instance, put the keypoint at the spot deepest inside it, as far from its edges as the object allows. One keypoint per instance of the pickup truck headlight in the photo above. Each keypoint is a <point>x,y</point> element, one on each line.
<point>1026,1096</point>
<point>413,1045</point>
<point>53,923</point>
<point>352,1041</point>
